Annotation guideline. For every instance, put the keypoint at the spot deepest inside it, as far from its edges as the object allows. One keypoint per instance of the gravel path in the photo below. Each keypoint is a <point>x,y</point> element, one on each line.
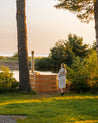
<point>10,118</point>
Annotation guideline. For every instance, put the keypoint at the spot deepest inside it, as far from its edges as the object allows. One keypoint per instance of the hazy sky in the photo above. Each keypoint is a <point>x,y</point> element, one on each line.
<point>45,26</point>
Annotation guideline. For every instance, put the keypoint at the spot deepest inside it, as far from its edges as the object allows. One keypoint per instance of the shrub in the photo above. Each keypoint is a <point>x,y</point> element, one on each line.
<point>94,85</point>
<point>7,81</point>
<point>44,62</point>
<point>78,76</point>
<point>1,57</point>
<point>92,68</point>
<point>84,74</point>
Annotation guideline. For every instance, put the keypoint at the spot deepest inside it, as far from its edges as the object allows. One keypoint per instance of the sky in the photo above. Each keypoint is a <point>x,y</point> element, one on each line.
<point>45,26</point>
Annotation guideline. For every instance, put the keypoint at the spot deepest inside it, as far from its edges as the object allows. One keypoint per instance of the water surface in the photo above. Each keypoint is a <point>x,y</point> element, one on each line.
<point>43,72</point>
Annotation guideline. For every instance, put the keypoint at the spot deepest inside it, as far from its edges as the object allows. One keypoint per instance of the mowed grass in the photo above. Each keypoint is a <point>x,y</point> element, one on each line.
<point>70,108</point>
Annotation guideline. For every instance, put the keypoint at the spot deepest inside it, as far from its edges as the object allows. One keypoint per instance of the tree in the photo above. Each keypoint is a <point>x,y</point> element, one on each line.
<point>84,74</point>
<point>15,55</point>
<point>66,51</point>
<point>78,48</point>
<point>57,53</point>
<point>96,25</point>
<point>94,46</point>
<point>69,54</point>
<point>22,46</point>
<point>85,10</point>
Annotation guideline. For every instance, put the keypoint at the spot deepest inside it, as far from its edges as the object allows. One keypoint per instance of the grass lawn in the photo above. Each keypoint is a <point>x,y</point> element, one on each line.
<point>70,108</point>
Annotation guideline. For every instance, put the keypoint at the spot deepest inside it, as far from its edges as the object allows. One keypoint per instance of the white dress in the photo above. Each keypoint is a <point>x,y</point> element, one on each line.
<point>62,78</point>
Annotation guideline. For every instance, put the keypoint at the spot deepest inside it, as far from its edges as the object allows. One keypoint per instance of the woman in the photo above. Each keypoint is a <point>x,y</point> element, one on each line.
<point>62,78</point>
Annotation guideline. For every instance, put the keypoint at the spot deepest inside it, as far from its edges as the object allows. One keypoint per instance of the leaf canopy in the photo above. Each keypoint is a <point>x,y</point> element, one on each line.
<point>84,9</point>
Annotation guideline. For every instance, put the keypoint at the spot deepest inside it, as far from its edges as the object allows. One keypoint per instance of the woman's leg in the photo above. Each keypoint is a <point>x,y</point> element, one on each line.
<point>62,92</point>
<point>61,89</point>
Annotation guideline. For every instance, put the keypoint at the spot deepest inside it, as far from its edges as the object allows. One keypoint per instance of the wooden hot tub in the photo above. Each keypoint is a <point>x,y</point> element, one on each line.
<point>44,83</point>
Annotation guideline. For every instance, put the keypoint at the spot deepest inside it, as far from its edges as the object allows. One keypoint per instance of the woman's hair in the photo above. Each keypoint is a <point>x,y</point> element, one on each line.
<point>63,65</point>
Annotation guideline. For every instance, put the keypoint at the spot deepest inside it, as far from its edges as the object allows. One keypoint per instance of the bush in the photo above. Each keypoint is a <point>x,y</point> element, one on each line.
<point>84,74</point>
<point>94,85</point>
<point>44,63</point>
<point>7,81</point>
<point>92,68</point>
<point>78,76</point>
<point>1,57</point>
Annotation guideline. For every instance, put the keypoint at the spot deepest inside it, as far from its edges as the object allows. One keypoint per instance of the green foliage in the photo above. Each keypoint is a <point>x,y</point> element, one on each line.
<point>15,55</point>
<point>92,68</point>
<point>84,74</point>
<point>66,51</point>
<point>9,59</point>
<point>57,53</point>
<point>36,60</point>
<point>44,62</point>
<point>1,57</point>
<point>29,62</point>
<point>84,9</point>
<point>7,81</point>
<point>94,45</point>
<point>78,48</point>
<point>69,55</point>
<point>13,58</point>
<point>78,75</point>
<point>14,84</point>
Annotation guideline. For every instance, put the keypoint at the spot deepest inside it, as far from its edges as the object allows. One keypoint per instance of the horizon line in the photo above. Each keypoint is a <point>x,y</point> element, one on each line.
<point>29,54</point>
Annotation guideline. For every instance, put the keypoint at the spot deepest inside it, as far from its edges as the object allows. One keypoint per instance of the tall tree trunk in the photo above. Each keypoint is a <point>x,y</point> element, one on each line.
<point>96,25</point>
<point>22,47</point>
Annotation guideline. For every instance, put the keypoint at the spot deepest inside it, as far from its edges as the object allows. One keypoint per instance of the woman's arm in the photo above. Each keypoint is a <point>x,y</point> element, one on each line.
<point>59,73</point>
<point>65,71</point>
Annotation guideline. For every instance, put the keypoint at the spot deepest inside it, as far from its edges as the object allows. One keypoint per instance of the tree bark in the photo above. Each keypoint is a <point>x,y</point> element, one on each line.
<point>22,47</point>
<point>96,25</point>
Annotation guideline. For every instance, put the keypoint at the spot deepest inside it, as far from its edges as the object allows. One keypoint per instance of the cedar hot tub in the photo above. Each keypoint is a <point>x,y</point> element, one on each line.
<point>44,83</point>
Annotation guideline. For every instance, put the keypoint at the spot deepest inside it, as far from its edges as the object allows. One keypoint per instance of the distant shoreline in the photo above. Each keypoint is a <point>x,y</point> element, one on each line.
<point>36,54</point>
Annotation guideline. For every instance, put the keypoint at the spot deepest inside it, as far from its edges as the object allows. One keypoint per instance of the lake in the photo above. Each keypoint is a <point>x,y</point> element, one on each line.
<point>42,72</point>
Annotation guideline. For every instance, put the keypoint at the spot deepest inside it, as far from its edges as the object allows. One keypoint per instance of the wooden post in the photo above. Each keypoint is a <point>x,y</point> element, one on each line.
<point>32,61</point>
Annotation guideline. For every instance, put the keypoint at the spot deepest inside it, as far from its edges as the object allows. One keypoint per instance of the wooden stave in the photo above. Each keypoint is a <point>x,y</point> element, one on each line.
<point>44,83</point>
